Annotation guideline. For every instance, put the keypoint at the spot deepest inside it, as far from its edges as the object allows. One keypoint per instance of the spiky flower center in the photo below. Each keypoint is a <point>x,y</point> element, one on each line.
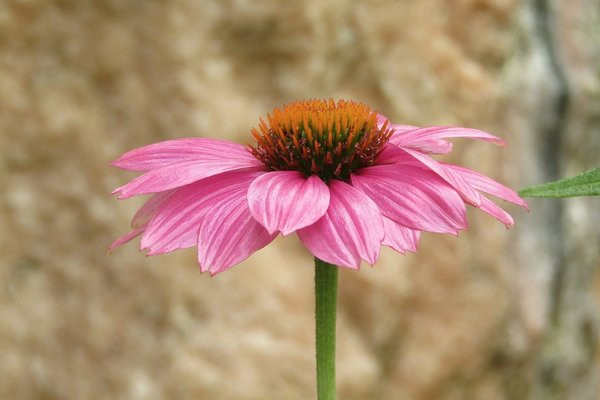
<point>320,137</point>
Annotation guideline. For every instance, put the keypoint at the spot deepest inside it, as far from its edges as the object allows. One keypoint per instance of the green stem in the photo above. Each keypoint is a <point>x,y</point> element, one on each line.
<point>326,282</point>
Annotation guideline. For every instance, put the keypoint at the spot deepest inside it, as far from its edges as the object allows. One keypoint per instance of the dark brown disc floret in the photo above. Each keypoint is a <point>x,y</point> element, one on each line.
<point>320,137</point>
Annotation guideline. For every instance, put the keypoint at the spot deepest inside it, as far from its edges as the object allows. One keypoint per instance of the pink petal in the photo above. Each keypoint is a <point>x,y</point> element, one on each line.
<point>487,185</point>
<point>430,146</point>
<point>141,218</point>
<point>381,119</point>
<point>419,135</point>
<point>350,230</point>
<point>495,211</point>
<point>413,197</point>
<point>229,234</point>
<point>398,237</point>
<point>159,155</point>
<point>286,201</point>
<point>392,154</point>
<point>175,224</point>
<point>181,174</point>
<point>437,146</point>
<point>149,209</point>
<point>124,239</point>
<point>456,180</point>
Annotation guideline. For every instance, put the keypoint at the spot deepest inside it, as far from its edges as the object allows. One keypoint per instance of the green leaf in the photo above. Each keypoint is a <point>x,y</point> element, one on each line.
<point>585,184</point>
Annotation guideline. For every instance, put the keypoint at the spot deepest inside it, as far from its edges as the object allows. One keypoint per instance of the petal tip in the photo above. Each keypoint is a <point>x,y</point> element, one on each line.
<point>121,193</point>
<point>354,267</point>
<point>500,142</point>
<point>273,230</point>
<point>284,231</point>
<point>374,257</point>
<point>202,267</point>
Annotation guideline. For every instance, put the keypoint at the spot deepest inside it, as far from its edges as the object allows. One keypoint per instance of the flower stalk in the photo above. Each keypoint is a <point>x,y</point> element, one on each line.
<point>326,283</point>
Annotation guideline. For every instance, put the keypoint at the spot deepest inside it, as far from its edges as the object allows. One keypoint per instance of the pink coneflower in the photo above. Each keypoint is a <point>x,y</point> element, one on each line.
<point>338,174</point>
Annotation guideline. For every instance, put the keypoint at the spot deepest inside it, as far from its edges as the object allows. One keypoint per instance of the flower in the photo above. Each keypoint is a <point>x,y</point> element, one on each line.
<point>340,175</point>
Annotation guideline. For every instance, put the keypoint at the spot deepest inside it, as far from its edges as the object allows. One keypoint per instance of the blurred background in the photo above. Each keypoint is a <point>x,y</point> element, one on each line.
<point>494,314</point>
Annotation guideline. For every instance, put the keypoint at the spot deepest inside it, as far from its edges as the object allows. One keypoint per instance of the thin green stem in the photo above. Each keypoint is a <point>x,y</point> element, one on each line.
<point>326,282</point>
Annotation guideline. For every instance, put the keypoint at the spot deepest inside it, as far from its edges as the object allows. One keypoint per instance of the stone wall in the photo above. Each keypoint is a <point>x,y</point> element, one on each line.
<point>494,314</point>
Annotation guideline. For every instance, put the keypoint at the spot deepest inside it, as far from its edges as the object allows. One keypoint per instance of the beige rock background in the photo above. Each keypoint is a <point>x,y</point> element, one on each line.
<point>494,314</point>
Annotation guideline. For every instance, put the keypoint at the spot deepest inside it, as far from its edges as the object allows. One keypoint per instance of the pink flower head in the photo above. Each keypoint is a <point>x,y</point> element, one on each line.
<point>338,174</point>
